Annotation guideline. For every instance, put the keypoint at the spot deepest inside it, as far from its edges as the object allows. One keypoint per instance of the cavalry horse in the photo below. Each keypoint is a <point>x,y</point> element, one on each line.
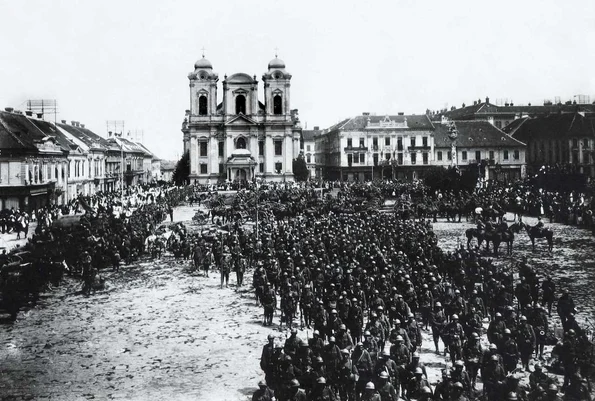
<point>535,232</point>
<point>495,236</point>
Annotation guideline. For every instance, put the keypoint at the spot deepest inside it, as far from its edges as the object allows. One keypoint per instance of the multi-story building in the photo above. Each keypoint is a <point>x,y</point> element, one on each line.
<point>33,165</point>
<point>481,145</point>
<point>368,146</point>
<point>558,139</point>
<point>309,149</point>
<point>240,138</point>
<point>94,147</point>
<point>501,116</point>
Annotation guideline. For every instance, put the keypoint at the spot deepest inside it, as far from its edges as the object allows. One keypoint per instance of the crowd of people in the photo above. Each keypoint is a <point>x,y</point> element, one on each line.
<point>107,234</point>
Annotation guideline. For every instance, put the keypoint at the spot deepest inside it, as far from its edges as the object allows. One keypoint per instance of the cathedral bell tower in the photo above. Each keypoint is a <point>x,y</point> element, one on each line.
<point>203,89</point>
<point>276,89</point>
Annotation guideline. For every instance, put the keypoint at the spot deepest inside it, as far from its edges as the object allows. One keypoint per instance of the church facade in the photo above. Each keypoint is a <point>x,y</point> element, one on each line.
<point>241,138</point>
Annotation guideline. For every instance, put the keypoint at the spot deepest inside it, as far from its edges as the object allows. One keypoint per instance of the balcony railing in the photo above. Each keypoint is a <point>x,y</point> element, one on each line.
<point>356,149</point>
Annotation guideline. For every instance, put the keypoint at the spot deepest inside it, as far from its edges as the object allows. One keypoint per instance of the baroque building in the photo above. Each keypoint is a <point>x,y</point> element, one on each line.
<point>241,138</point>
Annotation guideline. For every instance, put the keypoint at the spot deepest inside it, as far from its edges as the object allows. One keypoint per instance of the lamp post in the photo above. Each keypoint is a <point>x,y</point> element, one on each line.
<point>453,133</point>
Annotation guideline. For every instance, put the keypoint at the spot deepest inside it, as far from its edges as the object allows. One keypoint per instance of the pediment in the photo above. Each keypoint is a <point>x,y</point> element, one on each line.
<point>240,119</point>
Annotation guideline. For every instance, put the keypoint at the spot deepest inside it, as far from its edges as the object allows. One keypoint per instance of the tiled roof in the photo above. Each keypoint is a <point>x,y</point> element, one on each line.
<point>168,165</point>
<point>474,134</point>
<point>470,112</point>
<point>19,132</point>
<point>310,134</point>
<point>556,126</point>
<point>87,136</point>
<point>361,122</point>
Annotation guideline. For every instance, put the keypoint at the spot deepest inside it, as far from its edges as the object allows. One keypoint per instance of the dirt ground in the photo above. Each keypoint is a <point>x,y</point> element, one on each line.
<point>158,332</point>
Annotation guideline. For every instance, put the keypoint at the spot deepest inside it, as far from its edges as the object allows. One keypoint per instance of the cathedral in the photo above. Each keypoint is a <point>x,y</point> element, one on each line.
<point>241,138</point>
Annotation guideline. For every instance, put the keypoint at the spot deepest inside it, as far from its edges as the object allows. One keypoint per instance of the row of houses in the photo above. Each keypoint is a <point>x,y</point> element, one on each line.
<point>44,162</point>
<point>502,142</point>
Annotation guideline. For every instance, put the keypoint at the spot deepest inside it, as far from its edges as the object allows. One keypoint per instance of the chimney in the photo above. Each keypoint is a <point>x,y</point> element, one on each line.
<point>18,112</point>
<point>316,128</point>
<point>63,121</point>
<point>475,103</point>
<point>29,113</point>
<point>39,115</point>
<point>9,109</point>
<point>401,113</point>
<point>109,134</point>
<point>73,123</point>
<point>506,104</point>
<point>82,125</point>
<point>366,113</point>
<point>487,99</point>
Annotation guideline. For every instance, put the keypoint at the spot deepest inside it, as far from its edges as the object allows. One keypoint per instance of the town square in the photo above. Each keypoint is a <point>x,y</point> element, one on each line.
<point>219,221</point>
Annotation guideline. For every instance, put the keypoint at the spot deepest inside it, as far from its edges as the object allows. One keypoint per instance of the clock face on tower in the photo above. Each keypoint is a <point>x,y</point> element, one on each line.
<point>277,76</point>
<point>203,76</point>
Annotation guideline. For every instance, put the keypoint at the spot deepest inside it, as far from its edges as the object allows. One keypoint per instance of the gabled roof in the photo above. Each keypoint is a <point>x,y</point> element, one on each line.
<point>308,135</point>
<point>414,122</point>
<point>87,136</point>
<point>51,130</point>
<point>19,132</point>
<point>469,112</point>
<point>556,126</point>
<point>511,128</point>
<point>474,134</point>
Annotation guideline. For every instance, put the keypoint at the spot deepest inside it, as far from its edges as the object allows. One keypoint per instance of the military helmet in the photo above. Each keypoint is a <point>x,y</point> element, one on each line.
<point>370,386</point>
<point>321,380</point>
<point>512,396</point>
<point>383,375</point>
<point>262,383</point>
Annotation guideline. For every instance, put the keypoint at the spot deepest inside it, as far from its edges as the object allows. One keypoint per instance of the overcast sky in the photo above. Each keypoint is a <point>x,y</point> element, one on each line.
<point>129,60</point>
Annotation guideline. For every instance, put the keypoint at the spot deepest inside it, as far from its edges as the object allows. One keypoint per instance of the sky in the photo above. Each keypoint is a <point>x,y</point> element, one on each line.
<point>129,60</point>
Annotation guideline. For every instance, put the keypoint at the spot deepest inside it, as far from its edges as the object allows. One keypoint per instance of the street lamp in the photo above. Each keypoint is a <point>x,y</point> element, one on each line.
<point>119,135</point>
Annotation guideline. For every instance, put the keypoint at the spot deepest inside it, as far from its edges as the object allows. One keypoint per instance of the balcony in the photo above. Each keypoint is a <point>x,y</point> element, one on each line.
<point>355,149</point>
<point>419,147</point>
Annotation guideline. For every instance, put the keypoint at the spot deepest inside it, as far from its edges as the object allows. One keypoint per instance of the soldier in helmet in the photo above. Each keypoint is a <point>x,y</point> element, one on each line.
<point>458,374</point>
<point>538,379</point>
<point>386,364</point>
<point>526,341</point>
<point>493,376</point>
<point>472,354</point>
<point>269,302</point>
<point>416,384</point>
<point>295,393</point>
<point>438,323</point>
<point>306,304</point>
<point>267,357</point>
<point>385,388</point>
<point>457,392</point>
<point>364,364</point>
<point>347,377</point>
<point>370,393</point>
<point>264,393</point>
<point>322,391</point>
<point>510,352</point>
<point>355,322</point>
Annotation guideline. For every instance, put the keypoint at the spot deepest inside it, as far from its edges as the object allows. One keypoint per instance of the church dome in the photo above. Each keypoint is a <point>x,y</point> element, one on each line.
<point>276,63</point>
<point>203,63</point>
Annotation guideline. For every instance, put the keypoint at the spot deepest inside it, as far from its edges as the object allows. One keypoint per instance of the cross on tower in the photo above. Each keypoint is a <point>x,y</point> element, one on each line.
<point>276,52</point>
<point>203,52</point>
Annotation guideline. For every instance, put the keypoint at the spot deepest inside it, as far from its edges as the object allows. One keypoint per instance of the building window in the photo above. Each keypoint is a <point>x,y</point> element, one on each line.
<point>278,167</point>
<point>278,148</point>
<point>387,141</point>
<point>400,143</point>
<point>586,143</point>
<point>375,158</point>
<point>439,155</point>
<point>449,155</point>
<point>412,141</point>
<point>277,105</point>
<point>349,159</point>
<point>498,124</point>
<point>240,143</point>
<point>349,143</point>
<point>387,156</point>
<point>425,157</point>
<point>574,143</point>
<point>240,104</point>
<point>307,148</point>
<point>516,155</point>
<point>260,148</point>
<point>308,159</point>
<point>355,158</point>
<point>261,167</point>
<point>362,158</point>
<point>464,155</point>
<point>361,143</point>
<point>375,143</point>
<point>477,155</point>
<point>491,155</point>
<point>400,158</point>
<point>203,168</point>
<point>220,148</point>
<point>505,156</point>
<point>413,158</point>
<point>203,148</point>
<point>585,157</point>
<point>202,106</point>
<point>424,141</point>
<point>221,168</point>
<point>575,157</point>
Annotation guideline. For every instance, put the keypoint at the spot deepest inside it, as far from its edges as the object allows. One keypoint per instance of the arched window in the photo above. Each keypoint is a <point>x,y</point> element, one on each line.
<point>277,105</point>
<point>202,106</point>
<point>240,143</point>
<point>240,104</point>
